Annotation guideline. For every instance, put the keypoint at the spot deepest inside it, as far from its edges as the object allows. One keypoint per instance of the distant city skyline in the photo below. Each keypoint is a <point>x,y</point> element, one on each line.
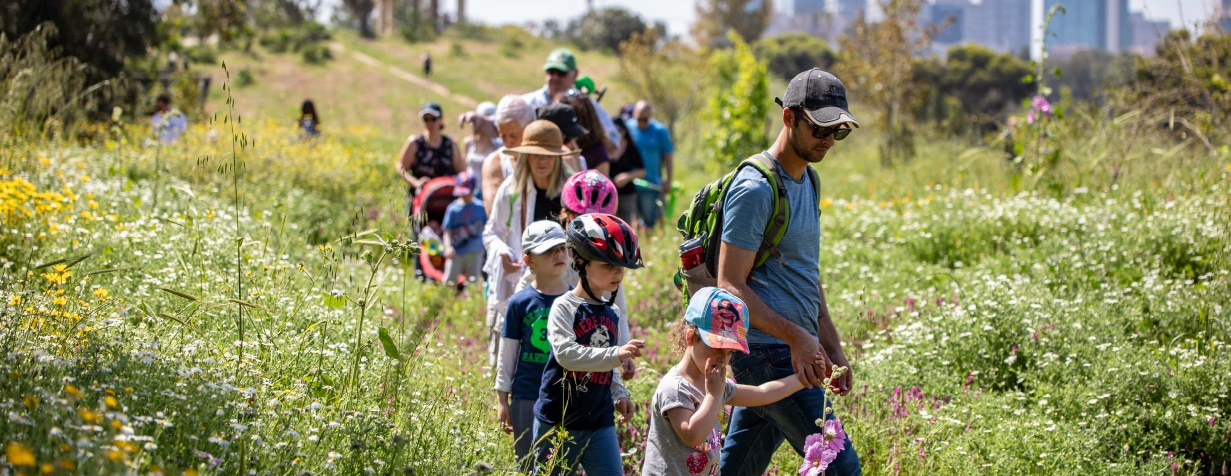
<point>679,14</point>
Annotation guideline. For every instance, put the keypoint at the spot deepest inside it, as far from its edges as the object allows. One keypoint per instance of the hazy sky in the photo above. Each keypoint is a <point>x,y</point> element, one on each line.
<point>678,14</point>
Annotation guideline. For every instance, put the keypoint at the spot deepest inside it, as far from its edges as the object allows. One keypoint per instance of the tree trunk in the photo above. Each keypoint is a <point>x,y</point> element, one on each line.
<point>461,11</point>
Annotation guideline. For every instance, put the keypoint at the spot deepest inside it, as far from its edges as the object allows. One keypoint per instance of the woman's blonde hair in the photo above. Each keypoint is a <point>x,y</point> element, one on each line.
<point>523,180</point>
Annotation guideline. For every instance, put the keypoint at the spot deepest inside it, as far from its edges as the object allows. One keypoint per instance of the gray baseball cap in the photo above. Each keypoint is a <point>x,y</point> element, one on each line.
<point>541,236</point>
<point>821,96</point>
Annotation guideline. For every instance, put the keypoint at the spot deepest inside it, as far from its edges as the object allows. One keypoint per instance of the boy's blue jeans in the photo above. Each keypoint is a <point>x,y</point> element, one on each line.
<point>756,432</point>
<point>597,451</point>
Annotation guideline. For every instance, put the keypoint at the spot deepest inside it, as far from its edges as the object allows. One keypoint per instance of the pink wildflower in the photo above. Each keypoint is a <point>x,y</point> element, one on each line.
<point>821,449</point>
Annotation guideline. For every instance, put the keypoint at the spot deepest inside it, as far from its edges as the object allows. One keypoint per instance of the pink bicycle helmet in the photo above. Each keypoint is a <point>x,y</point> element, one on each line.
<point>589,192</point>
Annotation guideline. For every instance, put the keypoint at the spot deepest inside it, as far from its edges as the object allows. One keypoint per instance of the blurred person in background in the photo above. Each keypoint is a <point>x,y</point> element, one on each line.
<point>169,123</point>
<point>513,114</point>
<point>309,120</point>
<point>653,140</point>
<point>594,144</point>
<point>484,139</point>
<point>561,75</point>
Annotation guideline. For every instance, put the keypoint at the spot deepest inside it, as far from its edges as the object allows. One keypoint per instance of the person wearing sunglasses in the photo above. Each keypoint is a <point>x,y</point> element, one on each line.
<point>785,295</point>
<point>560,75</point>
<point>430,154</point>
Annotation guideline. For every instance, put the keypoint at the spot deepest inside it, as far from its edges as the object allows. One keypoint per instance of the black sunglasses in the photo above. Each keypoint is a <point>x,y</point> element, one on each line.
<point>820,132</point>
<point>556,72</point>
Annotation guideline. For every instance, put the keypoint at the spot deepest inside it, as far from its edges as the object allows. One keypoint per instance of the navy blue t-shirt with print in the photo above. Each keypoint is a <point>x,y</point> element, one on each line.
<point>586,396</point>
<point>526,321</point>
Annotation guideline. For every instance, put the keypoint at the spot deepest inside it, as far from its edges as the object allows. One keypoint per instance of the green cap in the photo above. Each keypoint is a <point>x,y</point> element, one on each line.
<point>584,84</point>
<point>561,59</point>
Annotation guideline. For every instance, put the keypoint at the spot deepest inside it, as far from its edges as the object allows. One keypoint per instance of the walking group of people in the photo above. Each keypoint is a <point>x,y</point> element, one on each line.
<point>545,210</point>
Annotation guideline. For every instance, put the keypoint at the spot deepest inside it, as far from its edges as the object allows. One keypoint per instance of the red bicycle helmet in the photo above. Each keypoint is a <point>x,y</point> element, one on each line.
<point>589,192</point>
<point>605,238</point>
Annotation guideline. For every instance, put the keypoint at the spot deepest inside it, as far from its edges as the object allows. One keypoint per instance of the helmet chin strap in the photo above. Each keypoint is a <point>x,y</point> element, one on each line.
<point>585,284</point>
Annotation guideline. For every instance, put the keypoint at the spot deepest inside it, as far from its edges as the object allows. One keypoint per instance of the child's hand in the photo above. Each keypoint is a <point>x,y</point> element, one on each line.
<point>715,377</point>
<point>628,370</point>
<point>631,349</point>
<point>503,415</point>
<point>625,407</point>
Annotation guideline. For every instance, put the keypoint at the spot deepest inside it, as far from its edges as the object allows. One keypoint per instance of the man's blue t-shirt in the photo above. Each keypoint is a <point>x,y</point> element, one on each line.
<point>653,142</point>
<point>526,321</point>
<point>788,286</point>
<point>464,221</point>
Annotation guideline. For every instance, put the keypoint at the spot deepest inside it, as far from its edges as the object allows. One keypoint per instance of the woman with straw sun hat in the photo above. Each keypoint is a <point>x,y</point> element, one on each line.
<point>531,194</point>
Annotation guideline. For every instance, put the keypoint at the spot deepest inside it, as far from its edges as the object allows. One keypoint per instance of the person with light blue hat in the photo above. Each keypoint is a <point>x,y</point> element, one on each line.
<point>686,414</point>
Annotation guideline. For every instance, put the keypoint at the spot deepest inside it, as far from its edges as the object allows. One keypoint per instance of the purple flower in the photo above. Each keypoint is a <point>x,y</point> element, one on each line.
<point>834,436</point>
<point>820,449</point>
<point>814,461</point>
<point>1040,103</point>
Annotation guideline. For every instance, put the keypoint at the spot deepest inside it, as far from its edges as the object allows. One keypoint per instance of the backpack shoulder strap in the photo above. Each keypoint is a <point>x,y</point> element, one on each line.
<point>816,187</point>
<point>775,228</point>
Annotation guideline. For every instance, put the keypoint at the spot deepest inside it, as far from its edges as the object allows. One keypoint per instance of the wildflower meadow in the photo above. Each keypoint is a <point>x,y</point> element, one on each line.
<point>242,302</point>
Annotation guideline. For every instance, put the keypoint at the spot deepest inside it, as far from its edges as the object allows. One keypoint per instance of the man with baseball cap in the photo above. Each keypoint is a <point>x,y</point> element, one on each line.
<point>561,75</point>
<point>790,321</point>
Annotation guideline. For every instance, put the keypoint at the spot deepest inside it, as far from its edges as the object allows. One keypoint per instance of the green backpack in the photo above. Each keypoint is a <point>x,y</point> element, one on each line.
<point>701,225</point>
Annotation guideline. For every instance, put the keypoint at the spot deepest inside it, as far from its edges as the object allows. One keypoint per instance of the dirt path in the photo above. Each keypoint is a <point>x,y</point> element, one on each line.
<point>339,48</point>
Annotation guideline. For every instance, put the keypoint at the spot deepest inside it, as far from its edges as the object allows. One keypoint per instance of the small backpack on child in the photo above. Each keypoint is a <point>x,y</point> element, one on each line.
<point>701,225</point>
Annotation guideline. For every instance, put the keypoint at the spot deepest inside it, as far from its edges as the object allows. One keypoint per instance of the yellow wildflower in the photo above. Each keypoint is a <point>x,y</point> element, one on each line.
<point>826,203</point>
<point>14,300</point>
<point>19,454</point>
<point>46,468</point>
<point>190,472</point>
<point>60,301</point>
<point>101,293</point>
<point>115,455</point>
<point>72,390</point>
<point>85,178</point>
<point>67,464</point>
<point>116,425</point>
<point>90,416</point>
<point>111,402</point>
<point>30,401</point>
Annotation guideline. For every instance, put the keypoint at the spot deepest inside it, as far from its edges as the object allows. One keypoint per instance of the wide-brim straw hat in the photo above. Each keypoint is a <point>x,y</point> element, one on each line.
<point>542,138</point>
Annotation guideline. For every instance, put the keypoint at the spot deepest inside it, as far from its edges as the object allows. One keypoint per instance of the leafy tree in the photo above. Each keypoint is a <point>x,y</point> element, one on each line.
<point>788,54</point>
<point>984,82</point>
<point>735,115</point>
<point>1089,74</point>
<point>878,56</point>
<point>604,28</point>
<point>361,11</point>
<point>99,33</point>
<point>1190,76</point>
<point>749,19</point>
<point>664,76</point>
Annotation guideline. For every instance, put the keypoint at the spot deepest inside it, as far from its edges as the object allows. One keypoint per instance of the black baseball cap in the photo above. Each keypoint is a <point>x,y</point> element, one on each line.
<point>563,117</point>
<point>821,96</point>
<point>431,109</point>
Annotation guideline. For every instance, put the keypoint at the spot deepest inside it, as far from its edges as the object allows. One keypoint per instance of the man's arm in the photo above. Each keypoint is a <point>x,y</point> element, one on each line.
<point>734,264</point>
<point>828,336</point>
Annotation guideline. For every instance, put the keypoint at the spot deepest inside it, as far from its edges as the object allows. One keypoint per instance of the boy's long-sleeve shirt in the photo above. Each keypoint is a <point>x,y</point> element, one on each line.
<point>579,386</point>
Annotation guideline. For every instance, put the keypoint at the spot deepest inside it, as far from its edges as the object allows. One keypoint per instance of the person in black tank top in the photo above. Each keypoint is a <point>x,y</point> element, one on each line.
<point>428,155</point>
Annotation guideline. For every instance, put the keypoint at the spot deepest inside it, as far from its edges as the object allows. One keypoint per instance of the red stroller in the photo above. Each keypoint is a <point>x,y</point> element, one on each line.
<point>429,205</point>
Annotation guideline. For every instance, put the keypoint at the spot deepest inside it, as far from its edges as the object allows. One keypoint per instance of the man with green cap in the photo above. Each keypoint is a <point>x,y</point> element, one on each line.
<point>561,74</point>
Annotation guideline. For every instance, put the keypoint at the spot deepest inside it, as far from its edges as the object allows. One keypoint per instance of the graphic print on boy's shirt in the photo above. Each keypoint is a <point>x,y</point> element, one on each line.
<point>593,331</point>
<point>526,322</point>
<point>580,399</point>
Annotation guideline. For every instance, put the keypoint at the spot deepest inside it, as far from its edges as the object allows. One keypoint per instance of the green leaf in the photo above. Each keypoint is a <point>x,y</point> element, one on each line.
<point>336,302</point>
<point>1056,72</point>
<point>386,342</point>
<point>183,295</point>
